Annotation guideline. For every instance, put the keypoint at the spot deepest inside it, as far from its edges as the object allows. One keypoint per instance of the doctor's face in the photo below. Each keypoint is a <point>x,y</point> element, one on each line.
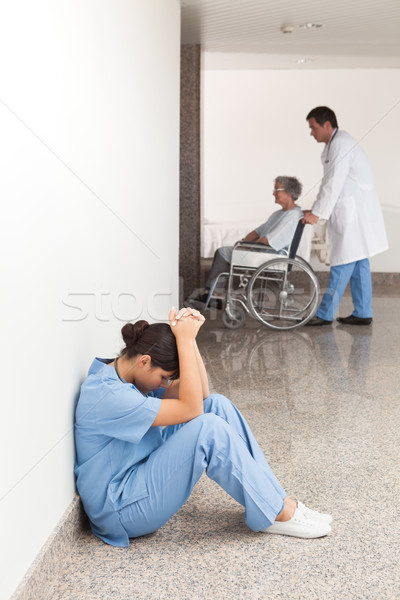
<point>321,133</point>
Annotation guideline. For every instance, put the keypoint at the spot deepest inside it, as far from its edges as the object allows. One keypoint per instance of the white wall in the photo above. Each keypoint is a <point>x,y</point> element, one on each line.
<point>254,128</point>
<point>89,126</point>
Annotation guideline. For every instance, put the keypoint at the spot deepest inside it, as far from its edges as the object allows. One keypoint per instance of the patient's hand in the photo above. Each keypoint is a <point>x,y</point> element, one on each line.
<point>263,240</point>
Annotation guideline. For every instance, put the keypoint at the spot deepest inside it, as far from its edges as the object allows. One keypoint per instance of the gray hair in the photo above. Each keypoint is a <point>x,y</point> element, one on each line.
<point>291,184</point>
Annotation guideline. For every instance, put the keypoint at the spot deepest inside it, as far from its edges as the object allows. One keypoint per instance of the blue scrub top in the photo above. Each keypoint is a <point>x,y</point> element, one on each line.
<point>113,434</point>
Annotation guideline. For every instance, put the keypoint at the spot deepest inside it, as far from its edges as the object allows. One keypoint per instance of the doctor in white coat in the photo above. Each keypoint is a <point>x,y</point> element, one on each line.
<point>348,201</point>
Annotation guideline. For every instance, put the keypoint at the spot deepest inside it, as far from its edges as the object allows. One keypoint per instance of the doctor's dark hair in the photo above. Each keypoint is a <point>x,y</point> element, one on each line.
<point>291,184</point>
<point>322,114</point>
<point>156,340</point>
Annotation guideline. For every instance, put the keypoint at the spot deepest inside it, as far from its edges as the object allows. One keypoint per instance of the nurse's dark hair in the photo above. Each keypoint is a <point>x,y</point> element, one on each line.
<point>156,340</point>
<point>322,114</point>
<point>291,184</point>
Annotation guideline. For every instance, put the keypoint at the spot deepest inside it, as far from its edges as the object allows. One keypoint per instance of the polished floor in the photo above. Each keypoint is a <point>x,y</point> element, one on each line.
<point>324,405</point>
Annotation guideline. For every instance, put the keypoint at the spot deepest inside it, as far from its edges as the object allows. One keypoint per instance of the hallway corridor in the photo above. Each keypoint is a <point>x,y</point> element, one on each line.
<point>324,406</point>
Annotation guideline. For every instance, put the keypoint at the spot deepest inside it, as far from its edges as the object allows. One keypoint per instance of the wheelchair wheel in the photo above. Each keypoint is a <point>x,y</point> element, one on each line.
<point>283,293</point>
<point>234,317</point>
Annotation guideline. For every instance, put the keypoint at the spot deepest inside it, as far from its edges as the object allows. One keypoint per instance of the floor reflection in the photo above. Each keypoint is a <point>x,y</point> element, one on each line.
<point>344,356</point>
<point>288,361</point>
<point>255,359</point>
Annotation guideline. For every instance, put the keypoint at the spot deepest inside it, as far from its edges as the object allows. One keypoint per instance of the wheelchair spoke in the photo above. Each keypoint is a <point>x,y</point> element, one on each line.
<point>283,293</point>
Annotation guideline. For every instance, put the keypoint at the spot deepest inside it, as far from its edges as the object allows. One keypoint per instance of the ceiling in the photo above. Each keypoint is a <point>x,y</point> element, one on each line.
<point>247,33</point>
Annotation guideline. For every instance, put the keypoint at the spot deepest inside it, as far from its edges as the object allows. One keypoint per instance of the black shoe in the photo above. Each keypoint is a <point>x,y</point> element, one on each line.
<point>317,322</point>
<point>190,303</point>
<point>200,301</point>
<point>215,303</point>
<point>352,320</point>
<point>202,297</point>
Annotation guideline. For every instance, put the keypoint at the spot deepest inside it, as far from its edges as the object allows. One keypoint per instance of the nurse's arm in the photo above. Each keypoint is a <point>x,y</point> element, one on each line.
<point>189,403</point>
<point>203,373</point>
<point>172,389</point>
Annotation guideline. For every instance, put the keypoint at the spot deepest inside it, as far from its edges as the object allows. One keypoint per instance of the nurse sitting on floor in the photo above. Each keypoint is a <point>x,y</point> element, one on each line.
<point>146,429</point>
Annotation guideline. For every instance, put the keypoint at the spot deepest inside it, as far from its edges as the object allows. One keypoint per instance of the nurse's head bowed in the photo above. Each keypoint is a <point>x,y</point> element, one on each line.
<point>155,341</point>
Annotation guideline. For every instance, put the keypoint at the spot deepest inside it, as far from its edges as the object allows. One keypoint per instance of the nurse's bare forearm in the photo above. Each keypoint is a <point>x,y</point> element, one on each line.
<point>190,383</point>
<point>203,372</point>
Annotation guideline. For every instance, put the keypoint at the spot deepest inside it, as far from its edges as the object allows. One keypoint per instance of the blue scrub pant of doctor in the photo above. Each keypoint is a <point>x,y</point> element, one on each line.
<point>220,442</point>
<point>359,275</point>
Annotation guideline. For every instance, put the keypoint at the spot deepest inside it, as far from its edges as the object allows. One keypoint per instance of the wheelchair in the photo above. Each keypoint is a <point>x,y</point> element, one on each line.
<point>277,288</point>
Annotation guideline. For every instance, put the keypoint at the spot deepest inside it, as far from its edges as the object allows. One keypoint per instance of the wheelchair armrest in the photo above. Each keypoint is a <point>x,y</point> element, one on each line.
<point>258,247</point>
<point>251,245</point>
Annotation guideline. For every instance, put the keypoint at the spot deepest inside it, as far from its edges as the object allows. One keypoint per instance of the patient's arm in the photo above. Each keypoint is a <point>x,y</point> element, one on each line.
<point>263,240</point>
<point>251,237</point>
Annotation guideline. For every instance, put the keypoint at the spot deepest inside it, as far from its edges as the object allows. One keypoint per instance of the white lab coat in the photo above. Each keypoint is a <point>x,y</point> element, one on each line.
<point>347,199</point>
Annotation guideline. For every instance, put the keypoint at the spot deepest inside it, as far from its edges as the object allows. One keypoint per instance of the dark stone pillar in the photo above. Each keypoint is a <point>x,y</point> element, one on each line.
<point>190,225</point>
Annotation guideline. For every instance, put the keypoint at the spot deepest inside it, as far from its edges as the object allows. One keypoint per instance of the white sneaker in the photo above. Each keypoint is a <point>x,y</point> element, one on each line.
<point>300,526</point>
<point>313,514</point>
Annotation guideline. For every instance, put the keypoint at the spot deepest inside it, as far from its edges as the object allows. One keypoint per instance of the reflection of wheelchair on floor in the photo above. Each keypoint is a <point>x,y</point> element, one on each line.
<point>279,289</point>
<point>261,358</point>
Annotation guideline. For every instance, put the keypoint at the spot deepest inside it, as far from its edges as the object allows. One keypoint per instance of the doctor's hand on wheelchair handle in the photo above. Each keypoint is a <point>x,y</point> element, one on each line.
<point>309,218</point>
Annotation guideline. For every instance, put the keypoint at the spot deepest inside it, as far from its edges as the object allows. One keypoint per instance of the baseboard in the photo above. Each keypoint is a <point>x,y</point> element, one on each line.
<point>51,559</point>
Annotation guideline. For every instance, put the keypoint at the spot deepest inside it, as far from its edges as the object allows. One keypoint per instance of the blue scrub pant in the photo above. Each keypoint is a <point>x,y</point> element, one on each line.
<point>359,275</point>
<point>220,442</point>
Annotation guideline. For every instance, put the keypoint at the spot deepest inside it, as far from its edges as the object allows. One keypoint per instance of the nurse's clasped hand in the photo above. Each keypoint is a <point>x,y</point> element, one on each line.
<point>183,399</point>
<point>189,320</point>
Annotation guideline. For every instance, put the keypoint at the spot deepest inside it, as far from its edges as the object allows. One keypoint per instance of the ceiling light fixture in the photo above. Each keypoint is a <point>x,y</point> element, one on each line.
<point>290,28</point>
<point>303,61</point>
<point>311,26</point>
<point>287,28</point>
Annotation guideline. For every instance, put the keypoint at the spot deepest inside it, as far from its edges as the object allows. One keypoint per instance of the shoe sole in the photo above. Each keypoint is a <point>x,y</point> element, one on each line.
<point>362,323</point>
<point>275,529</point>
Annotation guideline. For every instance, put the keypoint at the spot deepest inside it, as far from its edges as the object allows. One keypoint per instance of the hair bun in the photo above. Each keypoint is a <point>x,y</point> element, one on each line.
<point>132,332</point>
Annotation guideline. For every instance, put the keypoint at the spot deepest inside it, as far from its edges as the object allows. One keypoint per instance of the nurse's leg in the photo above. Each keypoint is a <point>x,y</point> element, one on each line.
<point>207,442</point>
<point>338,279</point>
<point>361,289</point>
<point>224,408</point>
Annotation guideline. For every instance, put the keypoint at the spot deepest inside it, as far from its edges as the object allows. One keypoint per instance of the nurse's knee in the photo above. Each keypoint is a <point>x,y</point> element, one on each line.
<point>210,432</point>
<point>214,401</point>
<point>208,422</point>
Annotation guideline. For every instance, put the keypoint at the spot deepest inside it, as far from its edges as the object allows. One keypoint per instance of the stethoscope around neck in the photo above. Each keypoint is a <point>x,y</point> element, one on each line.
<point>329,145</point>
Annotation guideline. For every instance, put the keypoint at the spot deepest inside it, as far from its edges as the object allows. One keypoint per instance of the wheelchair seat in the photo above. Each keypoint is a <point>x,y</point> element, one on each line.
<point>277,288</point>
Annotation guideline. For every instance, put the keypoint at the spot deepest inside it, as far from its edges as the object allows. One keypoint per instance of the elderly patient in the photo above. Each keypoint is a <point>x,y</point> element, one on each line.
<point>277,232</point>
